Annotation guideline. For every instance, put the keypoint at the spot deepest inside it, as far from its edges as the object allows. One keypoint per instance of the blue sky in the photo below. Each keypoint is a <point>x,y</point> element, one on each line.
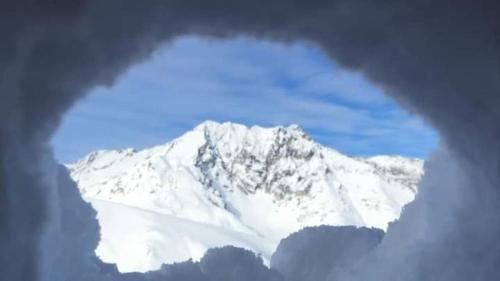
<point>245,81</point>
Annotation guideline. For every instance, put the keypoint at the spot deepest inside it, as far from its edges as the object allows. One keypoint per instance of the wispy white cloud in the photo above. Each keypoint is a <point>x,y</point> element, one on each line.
<point>241,80</point>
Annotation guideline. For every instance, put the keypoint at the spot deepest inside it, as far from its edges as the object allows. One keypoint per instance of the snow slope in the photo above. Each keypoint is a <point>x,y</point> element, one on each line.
<point>227,184</point>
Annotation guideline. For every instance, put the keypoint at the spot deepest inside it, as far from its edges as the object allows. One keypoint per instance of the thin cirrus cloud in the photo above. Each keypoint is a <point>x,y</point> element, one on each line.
<point>241,80</point>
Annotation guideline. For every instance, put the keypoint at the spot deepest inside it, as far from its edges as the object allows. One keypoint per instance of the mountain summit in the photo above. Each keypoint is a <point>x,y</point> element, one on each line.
<point>221,184</point>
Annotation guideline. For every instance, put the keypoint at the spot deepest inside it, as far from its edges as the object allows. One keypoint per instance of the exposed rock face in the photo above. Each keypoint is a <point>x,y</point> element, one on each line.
<point>262,182</point>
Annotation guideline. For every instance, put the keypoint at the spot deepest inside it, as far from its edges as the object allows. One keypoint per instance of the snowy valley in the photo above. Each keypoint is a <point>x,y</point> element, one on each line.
<point>228,184</point>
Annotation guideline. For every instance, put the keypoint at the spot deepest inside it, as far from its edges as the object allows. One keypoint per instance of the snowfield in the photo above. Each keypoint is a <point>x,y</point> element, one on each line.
<point>227,184</point>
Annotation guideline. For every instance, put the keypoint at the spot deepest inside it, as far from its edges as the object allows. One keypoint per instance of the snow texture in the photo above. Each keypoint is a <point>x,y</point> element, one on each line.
<point>318,253</point>
<point>438,58</point>
<point>227,184</point>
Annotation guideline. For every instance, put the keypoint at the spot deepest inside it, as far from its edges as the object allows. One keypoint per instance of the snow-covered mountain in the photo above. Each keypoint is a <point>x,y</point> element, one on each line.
<point>227,184</point>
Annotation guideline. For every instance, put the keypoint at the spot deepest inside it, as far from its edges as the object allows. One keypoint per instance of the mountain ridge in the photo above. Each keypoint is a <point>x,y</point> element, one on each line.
<point>262,182</point>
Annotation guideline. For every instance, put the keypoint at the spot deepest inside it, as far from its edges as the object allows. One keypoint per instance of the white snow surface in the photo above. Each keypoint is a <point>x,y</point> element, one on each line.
<point>228,184</point>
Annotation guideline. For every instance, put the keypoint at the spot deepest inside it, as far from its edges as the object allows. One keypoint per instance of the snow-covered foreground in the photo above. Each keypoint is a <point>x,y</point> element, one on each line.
<point>227,184</point>
<point>140,240</point>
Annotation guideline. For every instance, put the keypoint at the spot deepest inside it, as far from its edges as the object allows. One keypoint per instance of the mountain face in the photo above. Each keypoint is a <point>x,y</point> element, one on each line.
<point>223,184</point>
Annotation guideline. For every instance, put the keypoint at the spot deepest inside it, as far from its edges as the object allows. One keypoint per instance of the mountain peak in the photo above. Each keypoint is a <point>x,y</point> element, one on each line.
<point>213,126</point>
<point>262,182</point>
